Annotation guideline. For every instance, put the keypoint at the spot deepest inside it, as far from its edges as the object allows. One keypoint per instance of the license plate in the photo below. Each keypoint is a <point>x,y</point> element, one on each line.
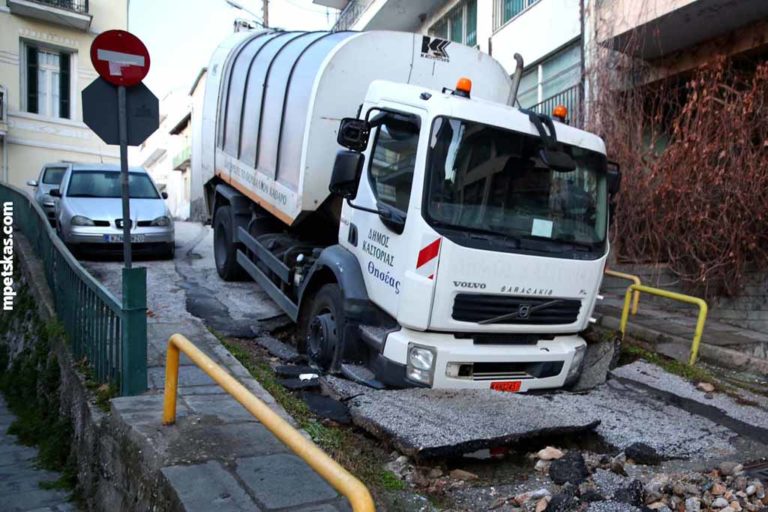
<point>510,386</point>
<point>135,239</point>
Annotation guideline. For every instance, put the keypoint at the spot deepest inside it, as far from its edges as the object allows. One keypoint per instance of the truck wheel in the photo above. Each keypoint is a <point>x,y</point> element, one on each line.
<point>224,247</point>
<point>324,327</point>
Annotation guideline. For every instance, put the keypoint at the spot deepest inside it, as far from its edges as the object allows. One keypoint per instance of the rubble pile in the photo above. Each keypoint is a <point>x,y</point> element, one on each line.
<point>629,481</point>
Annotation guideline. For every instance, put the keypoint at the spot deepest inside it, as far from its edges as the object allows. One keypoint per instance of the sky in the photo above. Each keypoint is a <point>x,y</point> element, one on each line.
<point>181,34</point>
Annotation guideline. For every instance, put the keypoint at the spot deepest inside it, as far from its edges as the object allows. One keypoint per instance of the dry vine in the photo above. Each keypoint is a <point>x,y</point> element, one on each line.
<point>694,154</point>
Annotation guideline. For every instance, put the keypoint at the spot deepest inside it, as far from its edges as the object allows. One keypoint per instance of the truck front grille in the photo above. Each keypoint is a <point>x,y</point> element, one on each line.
<point>510,309</point>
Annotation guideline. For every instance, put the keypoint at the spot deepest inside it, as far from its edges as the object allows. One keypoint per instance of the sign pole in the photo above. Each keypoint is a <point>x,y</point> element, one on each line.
<point>122,119</point>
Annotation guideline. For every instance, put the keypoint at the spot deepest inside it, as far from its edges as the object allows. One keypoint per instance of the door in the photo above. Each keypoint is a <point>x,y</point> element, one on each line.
<point>378,240</point>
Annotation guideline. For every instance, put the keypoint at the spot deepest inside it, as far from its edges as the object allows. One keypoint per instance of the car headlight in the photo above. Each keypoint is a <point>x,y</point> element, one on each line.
<point>578,360</point>
<point>162,221</point>
<point>79,220</point>
<point>421,363</point>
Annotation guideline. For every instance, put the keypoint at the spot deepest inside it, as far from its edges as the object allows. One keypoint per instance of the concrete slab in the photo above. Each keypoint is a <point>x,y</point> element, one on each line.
<point>749,419</point>
<point>207,487</point>
<point>282,481</point>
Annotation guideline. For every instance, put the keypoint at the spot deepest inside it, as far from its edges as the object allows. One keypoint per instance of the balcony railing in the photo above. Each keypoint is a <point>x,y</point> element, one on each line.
<point>351,14</point>
<point>79,6</point>
<point>571,98</point>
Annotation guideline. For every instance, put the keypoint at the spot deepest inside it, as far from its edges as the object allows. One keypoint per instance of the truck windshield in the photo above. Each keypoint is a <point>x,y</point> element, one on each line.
<point>491,182</point>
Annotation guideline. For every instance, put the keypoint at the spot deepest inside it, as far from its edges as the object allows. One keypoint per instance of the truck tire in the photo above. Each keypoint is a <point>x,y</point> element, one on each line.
<point>324,327</point>
<point>224,246</point>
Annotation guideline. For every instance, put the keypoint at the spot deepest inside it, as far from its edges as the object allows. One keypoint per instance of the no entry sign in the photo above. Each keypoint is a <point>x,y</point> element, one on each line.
<point>120,57</point>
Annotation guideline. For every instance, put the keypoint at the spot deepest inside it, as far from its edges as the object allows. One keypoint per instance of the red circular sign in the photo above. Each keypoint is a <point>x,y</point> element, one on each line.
<point>120,57</point>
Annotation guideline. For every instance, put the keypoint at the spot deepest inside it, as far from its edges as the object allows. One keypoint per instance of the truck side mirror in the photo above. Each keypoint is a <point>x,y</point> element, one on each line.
<point>32,183</point>
<point>613,176</point>
<point>353,133</point>
<point>55,192</point>
<point>346,173</point>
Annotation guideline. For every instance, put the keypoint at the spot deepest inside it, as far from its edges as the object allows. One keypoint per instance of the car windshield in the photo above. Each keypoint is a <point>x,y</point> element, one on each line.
<point>53,175</point>
<point>490,180</point>
<point>107,184</point>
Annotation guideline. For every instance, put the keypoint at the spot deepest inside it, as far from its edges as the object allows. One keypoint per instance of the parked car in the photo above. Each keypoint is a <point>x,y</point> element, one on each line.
<point>89,211</point>
<point>50,178</point>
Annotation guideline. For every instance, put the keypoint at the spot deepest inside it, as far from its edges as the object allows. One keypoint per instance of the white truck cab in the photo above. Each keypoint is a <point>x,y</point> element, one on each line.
<point>439,237</point>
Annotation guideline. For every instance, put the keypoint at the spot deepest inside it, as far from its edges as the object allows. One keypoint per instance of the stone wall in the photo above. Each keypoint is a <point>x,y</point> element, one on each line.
<point>112,472</point>
<point>748,310</point>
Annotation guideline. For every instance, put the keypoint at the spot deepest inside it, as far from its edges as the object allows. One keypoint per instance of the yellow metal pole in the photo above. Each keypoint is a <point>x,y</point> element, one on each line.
<point>629,277</point>
<point>699,331</point>
<point>625,311</point>
<point>341,480</point>
<point>171,384</point>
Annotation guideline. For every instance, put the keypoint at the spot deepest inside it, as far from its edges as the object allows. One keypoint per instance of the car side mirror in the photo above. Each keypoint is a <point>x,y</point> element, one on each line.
<point>346,173</point>
<point>32,183</point>
<point>613,176</point>
<point>55,192</point>
<point>164,195</point>
<point>353,133</point>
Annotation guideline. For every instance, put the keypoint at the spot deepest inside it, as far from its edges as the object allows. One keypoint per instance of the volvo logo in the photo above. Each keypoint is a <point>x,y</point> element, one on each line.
<point>524,311</point>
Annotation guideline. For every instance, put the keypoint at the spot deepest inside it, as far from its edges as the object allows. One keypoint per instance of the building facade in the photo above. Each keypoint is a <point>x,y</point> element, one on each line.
<point>44,66</point>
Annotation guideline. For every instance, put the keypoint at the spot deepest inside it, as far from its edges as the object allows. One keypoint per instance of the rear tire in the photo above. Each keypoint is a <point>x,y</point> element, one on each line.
<point>224,246</point>
<point>324,327</point>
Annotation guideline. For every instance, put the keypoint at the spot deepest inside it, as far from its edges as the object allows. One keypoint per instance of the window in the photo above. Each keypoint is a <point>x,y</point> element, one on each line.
<point>556,78</point>
<point>107,184</point>
<point>505,10</point>
<point>47,82</point>
<point>53,175</point>
<point>392,167</point>
<point>459,25</point>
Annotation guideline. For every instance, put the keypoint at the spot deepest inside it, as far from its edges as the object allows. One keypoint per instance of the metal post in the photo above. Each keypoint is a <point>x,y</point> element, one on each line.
<point>133,378</point>
<point>122,119</point>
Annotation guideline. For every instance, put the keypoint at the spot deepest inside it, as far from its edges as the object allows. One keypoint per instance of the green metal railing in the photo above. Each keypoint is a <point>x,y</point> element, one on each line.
<point>110,334</point>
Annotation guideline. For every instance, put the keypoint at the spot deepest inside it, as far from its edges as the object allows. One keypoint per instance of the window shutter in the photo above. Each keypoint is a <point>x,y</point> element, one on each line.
<point>64,96</point>
<point>32,80</point>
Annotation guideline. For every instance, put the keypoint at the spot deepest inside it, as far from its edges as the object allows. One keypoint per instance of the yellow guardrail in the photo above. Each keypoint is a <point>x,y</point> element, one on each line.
<point>341,479</point>
<point>629,277</point>
<point>674,296</point>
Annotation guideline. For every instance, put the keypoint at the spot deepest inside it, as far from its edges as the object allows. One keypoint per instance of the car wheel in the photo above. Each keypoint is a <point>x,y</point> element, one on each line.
<point>169,251</point>
<point>224,246</point>
<point>324,325</point>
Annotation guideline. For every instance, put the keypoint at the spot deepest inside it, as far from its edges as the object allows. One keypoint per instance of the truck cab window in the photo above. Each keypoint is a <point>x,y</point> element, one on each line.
<point>392,165</point>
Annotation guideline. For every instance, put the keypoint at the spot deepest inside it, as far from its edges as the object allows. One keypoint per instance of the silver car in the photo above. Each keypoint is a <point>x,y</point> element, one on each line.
<point>89,211</point>
<point>50,178</point>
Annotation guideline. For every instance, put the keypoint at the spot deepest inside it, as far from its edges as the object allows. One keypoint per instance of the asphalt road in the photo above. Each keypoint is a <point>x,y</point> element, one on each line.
<point>189,284</point>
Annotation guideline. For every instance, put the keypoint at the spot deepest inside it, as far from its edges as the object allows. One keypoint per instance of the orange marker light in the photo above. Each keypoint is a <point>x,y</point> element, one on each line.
<point>464,86</point>
<point>560,112</point>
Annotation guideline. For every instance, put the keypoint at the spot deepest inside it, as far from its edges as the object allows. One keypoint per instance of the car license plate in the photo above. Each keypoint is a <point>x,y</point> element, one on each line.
<point>136,239</point>
<point>510,386</point>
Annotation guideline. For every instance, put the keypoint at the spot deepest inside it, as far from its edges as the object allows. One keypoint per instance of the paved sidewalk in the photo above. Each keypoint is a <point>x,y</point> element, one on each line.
<point>216,456</point>
<point>671,333</point>
<point>19,478</point>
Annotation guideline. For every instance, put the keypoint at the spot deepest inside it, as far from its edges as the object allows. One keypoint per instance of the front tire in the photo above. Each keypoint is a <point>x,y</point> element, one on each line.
<point>324,328</point>
<point>224,246</point>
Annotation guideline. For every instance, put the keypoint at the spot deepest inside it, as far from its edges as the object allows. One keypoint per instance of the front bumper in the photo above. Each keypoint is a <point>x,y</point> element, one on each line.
<point>97,235</point>
<point>551,359</point>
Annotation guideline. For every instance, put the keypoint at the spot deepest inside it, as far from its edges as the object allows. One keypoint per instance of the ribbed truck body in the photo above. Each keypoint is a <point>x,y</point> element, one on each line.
<point>274,101</point>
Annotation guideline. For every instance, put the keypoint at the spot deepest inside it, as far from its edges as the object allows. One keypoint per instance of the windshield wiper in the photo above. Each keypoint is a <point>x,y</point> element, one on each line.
<point>479,233</point>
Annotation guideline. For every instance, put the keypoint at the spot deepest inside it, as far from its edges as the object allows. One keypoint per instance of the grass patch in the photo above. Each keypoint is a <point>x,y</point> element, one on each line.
<point>358,456</point>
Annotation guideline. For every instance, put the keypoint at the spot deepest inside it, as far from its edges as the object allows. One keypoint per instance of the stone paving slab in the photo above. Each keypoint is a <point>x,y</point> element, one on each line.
<point>208,486</point>
<point>427,423</point>
<point>750,417</point>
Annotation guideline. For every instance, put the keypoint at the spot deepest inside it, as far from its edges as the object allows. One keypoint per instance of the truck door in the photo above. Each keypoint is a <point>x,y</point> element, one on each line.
<point>379,241</point>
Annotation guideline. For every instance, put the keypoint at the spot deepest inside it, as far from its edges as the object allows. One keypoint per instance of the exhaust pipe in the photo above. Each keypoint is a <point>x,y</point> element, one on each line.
<point>516,80</point>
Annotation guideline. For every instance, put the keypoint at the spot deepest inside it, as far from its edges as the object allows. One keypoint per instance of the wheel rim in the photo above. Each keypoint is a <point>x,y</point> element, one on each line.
<point>322,338</point>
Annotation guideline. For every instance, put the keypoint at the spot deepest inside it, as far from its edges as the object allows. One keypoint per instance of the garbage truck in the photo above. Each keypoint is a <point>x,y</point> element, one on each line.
<point>387,193</point>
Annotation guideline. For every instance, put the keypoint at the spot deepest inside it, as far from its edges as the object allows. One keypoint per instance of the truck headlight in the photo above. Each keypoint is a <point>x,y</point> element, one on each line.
<point>578,360</point>
<point>162,221</point>
<point>79,220</point>
<point>421,363</point>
